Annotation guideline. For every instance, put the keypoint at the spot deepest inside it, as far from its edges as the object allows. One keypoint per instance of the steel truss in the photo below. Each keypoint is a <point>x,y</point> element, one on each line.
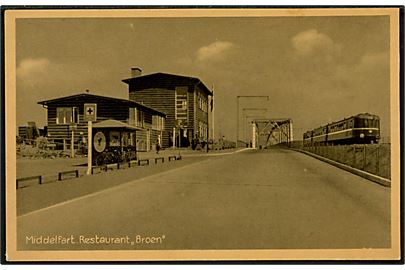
<point>268,132</point>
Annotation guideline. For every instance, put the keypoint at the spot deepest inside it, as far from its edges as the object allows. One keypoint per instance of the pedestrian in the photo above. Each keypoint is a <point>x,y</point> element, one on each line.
<point>157,146</point>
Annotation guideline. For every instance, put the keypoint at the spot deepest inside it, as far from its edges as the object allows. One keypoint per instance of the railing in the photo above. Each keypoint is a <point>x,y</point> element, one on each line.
<point>39,177</point>
<point>105,167</point>
<point>60,174</point>
<point>174,158</point>
<point>143,162</point>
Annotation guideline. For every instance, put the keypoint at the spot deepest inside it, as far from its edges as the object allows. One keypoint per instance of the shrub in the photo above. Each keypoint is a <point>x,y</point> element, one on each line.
<point>20,140</point>
<point>41,142</point>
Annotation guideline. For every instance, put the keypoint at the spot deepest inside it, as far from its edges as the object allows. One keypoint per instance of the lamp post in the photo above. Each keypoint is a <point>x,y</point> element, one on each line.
<point>237,113</point>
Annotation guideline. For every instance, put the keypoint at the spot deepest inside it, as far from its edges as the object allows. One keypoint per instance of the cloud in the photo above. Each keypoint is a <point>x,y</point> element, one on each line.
<point>371,66</point>
<point>215,51</point>
<point>366,84</point>
<point>30,67</point>
<point>375,59</point>
<point>310,42</point>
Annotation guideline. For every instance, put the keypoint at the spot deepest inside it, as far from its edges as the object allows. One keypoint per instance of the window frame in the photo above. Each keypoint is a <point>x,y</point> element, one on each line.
<point>70,115</point>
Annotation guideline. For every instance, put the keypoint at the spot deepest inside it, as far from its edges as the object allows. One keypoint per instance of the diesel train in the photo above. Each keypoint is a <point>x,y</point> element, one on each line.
<point>362,128</point>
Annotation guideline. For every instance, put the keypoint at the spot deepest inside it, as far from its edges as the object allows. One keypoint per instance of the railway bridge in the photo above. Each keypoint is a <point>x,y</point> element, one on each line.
<point>271,131</point>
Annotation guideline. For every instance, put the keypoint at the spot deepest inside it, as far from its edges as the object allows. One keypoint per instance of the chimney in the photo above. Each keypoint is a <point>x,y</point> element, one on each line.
<point>136,72</point>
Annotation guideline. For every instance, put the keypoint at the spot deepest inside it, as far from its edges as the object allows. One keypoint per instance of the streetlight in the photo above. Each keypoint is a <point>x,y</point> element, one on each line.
<point>237,113</point>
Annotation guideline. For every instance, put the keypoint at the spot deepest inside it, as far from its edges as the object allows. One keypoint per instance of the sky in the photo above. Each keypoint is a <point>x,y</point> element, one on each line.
<point>315,70</point>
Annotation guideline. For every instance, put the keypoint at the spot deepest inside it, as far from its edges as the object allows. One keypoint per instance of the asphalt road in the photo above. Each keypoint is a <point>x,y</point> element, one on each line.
<point>273,199</point>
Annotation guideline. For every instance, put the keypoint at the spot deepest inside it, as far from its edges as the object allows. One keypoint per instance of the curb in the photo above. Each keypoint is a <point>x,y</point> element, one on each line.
<point>372,177</point>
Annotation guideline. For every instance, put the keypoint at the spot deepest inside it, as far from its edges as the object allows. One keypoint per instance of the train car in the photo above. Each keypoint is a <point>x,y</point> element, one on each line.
<point>362,128</point>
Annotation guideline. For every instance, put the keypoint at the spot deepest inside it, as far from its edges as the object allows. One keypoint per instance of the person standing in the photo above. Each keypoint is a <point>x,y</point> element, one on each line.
<point>158,145</point>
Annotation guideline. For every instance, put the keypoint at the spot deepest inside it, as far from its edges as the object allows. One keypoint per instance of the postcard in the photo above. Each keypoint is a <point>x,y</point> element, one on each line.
<point>202,134</point>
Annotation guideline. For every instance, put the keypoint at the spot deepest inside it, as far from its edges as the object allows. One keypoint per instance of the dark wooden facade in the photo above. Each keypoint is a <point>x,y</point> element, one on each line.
<point>107,108</point>
<point>162,100</point>
<point>158,91</point>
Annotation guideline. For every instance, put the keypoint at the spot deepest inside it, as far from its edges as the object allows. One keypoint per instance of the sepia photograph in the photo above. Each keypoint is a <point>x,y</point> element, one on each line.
<point>195,134</point>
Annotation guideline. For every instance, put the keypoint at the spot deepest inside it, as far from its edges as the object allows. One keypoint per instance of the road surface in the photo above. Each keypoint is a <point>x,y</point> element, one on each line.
<point>270,199</point>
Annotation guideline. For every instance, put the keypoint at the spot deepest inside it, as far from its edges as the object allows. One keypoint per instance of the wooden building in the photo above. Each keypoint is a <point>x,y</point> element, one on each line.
<point>184,100</point>
<point>30,132</point>
<point>65,116</point>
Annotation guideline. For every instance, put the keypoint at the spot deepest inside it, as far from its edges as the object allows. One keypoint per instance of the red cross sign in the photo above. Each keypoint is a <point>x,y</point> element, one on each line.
<point>90,112</point>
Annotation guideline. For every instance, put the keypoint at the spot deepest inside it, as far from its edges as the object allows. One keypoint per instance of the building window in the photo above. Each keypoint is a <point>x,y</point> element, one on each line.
<point>125,140</point>
<point>132,141</point>
<point>157,122</point>
<point>181,104</point>
<point>132,116</point>
<point>67,115</point>
<point>202,102</point>
<point>114,138</point>
<point>136,117</point>
<point>140,119</point>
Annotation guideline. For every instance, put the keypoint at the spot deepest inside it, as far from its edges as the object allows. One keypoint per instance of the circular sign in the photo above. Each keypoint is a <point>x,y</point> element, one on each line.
<point>99,142</point>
